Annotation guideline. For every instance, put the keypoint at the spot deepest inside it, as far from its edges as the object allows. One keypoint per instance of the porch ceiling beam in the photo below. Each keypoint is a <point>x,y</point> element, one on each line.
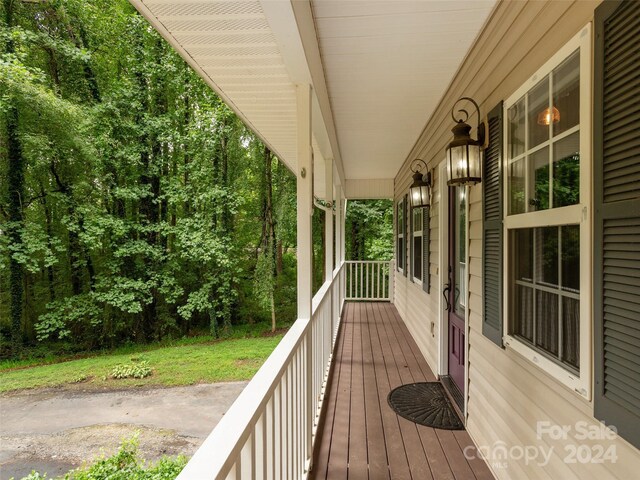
<point>294,30</point>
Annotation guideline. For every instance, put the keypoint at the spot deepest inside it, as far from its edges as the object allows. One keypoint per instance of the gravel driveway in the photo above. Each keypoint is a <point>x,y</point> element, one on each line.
<point>56,430</point>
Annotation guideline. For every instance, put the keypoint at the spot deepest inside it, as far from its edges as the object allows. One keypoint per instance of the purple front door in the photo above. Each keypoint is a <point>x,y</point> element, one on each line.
<point>456,292</point>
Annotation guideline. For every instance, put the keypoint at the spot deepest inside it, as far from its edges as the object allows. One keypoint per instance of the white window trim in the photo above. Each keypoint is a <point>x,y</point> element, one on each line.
<point>416,234</point>
<point>575,214</point>
<point>399,254</point>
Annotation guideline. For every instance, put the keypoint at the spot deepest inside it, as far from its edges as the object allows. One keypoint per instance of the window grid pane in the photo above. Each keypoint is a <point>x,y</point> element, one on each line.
<point>543,142</point>
<point>545,307</point>
<point>417,257</point>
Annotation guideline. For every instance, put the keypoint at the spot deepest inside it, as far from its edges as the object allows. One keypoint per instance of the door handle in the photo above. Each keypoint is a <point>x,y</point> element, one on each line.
<point>445,294</point>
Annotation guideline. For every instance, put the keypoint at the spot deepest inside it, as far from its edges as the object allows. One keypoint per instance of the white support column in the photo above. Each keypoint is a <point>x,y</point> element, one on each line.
<point>328,220</point>
<point>304,201</point>
<point>339,231</point>
<point>343,235</point>
<point>304,251</point>
<point>343,227</point>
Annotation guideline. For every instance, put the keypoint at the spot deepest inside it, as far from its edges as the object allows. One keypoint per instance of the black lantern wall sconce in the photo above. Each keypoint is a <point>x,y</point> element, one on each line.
<point>420,190</point>
<point>464,153</point>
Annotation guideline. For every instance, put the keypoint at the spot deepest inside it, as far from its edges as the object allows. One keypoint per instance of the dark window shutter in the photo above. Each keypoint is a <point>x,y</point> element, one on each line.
<point>398,211</point>
<point>492,230</point>
<point>406,235</point>
<point>410,240</point>
<point>617,217</point>
<point>426,278</point>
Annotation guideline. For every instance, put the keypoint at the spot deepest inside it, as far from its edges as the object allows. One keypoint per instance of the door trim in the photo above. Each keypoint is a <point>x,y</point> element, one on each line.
<point>443,253</point>
<point>467,329</point>
<point>443,261</point>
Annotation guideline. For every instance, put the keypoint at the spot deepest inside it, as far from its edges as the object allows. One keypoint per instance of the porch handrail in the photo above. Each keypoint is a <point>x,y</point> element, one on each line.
<point>269,430</point>
<point>369,280</point>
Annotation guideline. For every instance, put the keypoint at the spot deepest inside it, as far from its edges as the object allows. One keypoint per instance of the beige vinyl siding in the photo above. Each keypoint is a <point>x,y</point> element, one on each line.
<point>369,188</point>
<point>410,300</point>
<point>507,394</point>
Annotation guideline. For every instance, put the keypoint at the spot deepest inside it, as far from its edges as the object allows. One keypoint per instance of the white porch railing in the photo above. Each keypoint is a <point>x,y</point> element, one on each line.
<point>369,280</point>
<point>268,432</point>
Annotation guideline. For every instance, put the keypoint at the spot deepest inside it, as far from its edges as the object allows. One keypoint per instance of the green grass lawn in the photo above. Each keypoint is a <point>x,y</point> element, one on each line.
<point>220,361</point>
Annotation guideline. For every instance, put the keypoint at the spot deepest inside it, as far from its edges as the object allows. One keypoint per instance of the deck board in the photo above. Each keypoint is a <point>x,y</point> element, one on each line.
<point>361,437</point>
<point>376,447</point>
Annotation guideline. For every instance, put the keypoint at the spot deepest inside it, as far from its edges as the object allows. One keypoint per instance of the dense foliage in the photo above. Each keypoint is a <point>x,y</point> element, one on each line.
<point>134,205</point>
<point>369,230</point>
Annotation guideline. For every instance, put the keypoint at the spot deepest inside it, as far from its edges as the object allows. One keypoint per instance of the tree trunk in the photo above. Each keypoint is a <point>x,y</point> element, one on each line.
<point>279,249</point>
<point>49,230</point>
<point>273,313</point>
<point>269,230</point>
<point>227,226</point>
<point>16,181</point>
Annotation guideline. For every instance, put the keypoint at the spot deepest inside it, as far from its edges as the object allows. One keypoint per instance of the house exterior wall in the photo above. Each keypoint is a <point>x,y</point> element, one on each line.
<point>369,189</point>
<point>410,300</point>
<point>507,394</point>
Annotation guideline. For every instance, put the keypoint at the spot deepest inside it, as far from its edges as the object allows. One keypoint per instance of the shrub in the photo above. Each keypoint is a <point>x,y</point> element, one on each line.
<point>124,465</point>
<point>132,370</point>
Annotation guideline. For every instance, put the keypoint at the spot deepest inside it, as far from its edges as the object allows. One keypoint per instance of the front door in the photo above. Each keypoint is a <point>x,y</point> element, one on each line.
<point>456,289</point>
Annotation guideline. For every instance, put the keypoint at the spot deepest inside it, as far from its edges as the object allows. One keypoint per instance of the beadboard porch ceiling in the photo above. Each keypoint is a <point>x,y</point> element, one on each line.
<point>378,69</point>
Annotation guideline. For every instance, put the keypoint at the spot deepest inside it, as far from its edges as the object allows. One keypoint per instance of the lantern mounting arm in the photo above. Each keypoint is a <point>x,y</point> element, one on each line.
<point>480,128</point>
<point>420,165</point>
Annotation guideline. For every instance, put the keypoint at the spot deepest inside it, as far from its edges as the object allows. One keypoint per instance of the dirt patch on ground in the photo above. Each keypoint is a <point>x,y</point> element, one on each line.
<point>56,430</point>
<point>278,331</point>
<point>248,362</point>
<point>87,444</point>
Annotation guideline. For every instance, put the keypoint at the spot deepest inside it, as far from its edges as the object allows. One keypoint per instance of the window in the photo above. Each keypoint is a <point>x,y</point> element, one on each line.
<point>547,198</point>
<point>416,250</point>
<point>400,235</point>
<point>460,251</point>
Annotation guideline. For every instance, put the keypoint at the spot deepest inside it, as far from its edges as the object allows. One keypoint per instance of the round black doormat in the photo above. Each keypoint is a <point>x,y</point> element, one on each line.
<point>425,403</point>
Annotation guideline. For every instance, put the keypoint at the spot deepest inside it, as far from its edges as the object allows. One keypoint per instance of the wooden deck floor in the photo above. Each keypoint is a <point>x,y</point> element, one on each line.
<point>361,437</point>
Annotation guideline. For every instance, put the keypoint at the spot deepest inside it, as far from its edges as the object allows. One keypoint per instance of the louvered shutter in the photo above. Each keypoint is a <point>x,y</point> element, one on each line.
<point>406,235</point>
<point>411,249</point>
<point>398,211</point>
<point>492,230</point>
<point>617,217</point>
<point>426,279</point>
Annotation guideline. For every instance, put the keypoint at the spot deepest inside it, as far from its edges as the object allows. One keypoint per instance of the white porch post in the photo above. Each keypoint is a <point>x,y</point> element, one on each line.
<point>304,250</point>
<point>342,206</point>
<point>338,235</point>
<point>343,250</point>
<point>304,202</point>
<point>328,221</point>
<point>339,232</point>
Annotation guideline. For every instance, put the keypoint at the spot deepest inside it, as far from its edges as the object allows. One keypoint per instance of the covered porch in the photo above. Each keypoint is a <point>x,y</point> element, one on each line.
<point>341,95</point>
<point>318,407</point>
<point>349,94</point>
<point>360,436</point>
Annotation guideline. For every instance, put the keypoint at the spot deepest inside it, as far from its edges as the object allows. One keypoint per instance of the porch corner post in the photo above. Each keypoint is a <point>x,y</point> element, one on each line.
<point>343,226</point>
<point>338,232</point>
<point>338,247</point>
<point>304,248</point>
<point>304,197</point>
<point>343,216</point>
<point>328,221</point>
